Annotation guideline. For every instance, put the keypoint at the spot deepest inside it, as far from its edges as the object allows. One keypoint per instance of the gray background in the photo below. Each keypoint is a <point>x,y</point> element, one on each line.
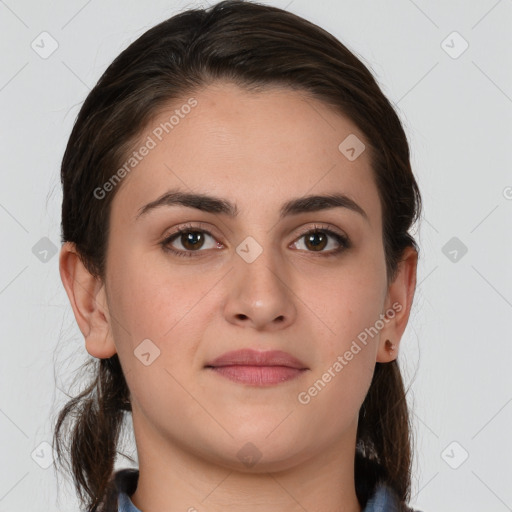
<point>457,111</point>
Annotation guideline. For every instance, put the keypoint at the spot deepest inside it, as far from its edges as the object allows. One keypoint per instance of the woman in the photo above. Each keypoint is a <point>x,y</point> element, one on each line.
<point>237,195</point>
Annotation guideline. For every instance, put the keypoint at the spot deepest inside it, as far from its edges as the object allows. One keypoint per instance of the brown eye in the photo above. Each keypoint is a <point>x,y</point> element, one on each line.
<point>316,241</point>
<point>192,240</point>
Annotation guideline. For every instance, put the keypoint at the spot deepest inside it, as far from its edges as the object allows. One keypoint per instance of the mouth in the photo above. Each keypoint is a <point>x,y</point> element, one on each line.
<point>257,368</point>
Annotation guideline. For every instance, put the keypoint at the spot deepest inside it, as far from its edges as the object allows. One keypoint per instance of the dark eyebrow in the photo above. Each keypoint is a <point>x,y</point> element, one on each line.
<point>211,204</point>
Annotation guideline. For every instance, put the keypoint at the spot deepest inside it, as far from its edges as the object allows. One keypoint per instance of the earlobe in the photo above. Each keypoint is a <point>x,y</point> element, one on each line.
<point>87,296</point>
<point>398,306</point>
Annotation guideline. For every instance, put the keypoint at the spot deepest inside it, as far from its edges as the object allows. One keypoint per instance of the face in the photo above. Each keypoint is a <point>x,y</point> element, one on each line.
<point>254,280</point>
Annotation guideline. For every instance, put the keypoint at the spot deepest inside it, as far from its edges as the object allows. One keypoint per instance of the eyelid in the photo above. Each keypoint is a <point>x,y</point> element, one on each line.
<point>191,226</point>
<point>199,226</point>
<point>342,239</point>
<point>321,227</point>
<point>183,228</point>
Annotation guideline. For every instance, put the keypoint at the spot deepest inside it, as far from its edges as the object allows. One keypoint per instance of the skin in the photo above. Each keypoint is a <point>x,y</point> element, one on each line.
<point>257,150</point>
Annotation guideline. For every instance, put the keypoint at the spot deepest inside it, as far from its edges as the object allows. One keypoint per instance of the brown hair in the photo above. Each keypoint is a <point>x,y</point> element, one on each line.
<point>253,46</point>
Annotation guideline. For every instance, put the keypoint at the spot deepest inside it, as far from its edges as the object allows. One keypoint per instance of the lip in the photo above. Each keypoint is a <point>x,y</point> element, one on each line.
<point>257,368</point>
<point>250,357</point>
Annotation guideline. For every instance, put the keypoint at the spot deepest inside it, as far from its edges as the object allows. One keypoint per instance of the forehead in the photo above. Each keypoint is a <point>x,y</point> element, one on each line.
<point>254,148</point>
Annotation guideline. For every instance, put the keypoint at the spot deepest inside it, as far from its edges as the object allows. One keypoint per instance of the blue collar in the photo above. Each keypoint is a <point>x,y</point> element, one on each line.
<point>384,499</point>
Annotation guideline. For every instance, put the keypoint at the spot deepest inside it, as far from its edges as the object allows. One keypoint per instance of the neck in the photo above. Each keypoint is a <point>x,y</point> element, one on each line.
<point>172,478</point>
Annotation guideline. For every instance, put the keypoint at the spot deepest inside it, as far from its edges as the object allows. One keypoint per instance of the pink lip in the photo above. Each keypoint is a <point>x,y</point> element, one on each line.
<point>250,357</point>
<point>257,368</point>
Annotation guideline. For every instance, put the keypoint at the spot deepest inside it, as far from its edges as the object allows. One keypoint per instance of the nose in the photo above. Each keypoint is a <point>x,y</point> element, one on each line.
<point>260,293</point>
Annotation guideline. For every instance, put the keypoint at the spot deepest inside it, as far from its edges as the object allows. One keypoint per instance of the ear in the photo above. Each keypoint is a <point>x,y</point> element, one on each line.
<point>398,306</point>
<point>87,296</point>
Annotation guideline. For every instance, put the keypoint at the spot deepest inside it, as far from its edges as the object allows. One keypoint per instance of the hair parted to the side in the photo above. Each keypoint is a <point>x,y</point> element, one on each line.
<point>254,46</point>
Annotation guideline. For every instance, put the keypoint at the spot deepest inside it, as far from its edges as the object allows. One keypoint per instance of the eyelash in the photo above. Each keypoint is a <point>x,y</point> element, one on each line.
<point>341,239</point>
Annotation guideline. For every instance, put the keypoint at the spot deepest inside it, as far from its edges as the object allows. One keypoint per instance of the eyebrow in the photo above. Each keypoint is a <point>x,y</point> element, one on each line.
<point>212,204</point>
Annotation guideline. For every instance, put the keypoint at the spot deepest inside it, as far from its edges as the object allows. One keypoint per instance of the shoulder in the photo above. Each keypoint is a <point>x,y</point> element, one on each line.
<point>385,499</point>
<point>125,481</point>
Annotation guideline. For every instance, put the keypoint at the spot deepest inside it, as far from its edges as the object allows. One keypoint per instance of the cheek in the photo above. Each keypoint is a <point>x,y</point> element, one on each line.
<point>159,310</point>
<point>150,300</point>
<point>333,396</point>
<point>157,332</point>
<point>351,306</point>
